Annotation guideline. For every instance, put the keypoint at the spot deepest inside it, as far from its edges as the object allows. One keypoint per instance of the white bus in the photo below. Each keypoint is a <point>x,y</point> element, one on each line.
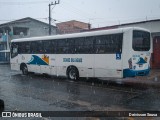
<point>119,53</point>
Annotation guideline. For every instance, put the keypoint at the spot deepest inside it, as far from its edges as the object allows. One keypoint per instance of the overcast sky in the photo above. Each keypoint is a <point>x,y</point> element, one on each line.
<point>99,13</point>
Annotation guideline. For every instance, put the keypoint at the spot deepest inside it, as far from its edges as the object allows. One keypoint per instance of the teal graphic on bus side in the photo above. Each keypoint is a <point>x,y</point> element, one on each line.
<point>35,60</point>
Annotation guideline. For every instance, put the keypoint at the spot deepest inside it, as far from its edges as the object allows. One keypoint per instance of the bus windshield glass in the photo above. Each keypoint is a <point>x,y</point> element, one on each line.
<point>141,40</point>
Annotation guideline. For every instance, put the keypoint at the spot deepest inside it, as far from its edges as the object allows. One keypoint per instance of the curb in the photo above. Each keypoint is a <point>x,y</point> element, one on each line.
<point>138,82</point>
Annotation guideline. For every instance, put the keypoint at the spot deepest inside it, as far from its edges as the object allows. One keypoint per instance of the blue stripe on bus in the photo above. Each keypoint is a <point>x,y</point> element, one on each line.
<point>133,73</point>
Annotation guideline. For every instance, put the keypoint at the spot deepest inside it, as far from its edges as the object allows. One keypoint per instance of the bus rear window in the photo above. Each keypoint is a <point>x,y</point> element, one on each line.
<point>141,40</point>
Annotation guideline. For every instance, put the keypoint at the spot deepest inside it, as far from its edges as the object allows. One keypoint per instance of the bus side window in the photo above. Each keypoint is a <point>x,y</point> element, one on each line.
<point>45,47</point>
<point>100,45</point>
<point>48,47</point>
<point>109,44</point>
<point>88,45</point>
<point>118,43</point>
<point>53,46</point>
<point>71,45</point>
<point>27,48</point>
<point>79,43</point>
<point>62,47</point>
<point>33,47</point>
<point>40,49</point>
<point>114,43</point>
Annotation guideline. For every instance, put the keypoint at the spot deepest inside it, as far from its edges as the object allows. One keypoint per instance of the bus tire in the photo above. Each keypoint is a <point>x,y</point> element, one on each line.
<point>24,70</point>
<point>72,73</point>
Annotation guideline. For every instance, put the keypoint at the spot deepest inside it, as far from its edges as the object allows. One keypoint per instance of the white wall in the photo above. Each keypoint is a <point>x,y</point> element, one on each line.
<point>153,26</point>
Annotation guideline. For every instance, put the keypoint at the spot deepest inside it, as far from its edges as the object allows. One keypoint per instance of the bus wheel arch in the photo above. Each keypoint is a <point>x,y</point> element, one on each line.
<point>24,68</point>
<point>72,73</point>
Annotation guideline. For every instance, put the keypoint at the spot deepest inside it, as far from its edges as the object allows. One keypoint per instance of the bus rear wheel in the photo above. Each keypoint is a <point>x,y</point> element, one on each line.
<point>73,73</point>
<point>24,70</point>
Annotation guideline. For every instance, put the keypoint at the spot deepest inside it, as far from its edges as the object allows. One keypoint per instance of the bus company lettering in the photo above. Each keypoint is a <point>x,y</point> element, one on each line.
<point>136,55</point>
<point>72,59</point>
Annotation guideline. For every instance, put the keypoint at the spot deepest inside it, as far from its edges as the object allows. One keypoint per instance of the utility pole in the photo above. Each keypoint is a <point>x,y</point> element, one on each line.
<point>7,40</point>
<point>50,14</point>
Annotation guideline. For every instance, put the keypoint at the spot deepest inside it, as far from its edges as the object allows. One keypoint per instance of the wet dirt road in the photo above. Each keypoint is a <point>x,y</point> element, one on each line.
<point>40,93</point>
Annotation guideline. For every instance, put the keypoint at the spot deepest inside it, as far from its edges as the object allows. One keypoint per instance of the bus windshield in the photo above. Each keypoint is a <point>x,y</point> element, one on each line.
<point>141,40</point>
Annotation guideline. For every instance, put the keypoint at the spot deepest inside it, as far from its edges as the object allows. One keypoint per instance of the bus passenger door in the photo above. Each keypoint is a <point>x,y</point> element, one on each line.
<point>45,67</point>
<point>108,65</point>
<point>90,70</point>
<point>14,57</point>
<point>53,65</point>
<point>87,68</point>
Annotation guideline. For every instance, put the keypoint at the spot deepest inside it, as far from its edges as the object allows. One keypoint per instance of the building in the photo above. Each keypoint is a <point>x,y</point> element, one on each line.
<point>26,27</point>
<point>72,26</point>
<point>154,27</point>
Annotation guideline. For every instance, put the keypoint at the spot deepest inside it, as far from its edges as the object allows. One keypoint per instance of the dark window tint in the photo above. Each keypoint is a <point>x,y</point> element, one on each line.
<point>100,44</point>
<point>53,45</point>
<point>79,43</point>
<point>23,47</point>
<point>46,46</point>
<point>87,48</point>
<point>33,47</point>
<point>71,45</point>
<point>36,47</point>
<point>62,46</point>
<point>141,41</point>
<point>104,44</point>
<point>108,44</point>
<point>49,46</point>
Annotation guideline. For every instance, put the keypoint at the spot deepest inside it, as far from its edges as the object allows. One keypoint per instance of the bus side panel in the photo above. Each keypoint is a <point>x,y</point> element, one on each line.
<point>127,48</point>
<point>83,62</point>
<point>108,65</point>
<point>52,64</point>
<point>87,67</point>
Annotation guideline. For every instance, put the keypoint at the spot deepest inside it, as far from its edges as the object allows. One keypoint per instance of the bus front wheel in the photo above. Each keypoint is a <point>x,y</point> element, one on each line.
<point>24,70</point>
<point>72,73</point>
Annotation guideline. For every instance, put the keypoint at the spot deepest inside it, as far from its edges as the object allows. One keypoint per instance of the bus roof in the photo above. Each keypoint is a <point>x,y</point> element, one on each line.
<point>82,34</point>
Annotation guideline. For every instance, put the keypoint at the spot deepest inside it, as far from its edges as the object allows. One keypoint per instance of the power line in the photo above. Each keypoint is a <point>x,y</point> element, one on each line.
<point>74,12</point>
<point>78,10</point>
<point>22,3</point>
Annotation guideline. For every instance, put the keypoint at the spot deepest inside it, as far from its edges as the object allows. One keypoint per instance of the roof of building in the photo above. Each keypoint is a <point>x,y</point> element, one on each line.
<point>72,21</point>
<point>116,26</point>
<point>27,19</point>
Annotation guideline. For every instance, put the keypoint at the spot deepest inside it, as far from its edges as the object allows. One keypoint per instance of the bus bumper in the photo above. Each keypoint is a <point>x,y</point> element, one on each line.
<point>133,73</point>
